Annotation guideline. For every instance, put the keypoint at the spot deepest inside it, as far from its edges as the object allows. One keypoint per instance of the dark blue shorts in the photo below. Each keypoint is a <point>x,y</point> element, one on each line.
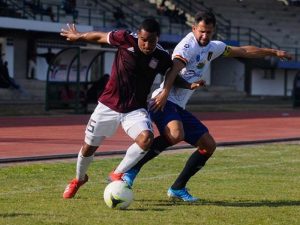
<point>193,128</point>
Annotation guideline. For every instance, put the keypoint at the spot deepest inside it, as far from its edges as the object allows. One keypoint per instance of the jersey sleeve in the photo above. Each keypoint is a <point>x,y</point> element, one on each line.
<point>167,65</point>
<point>219,49</point>
<point>183,52</point>
<point>117,37</point>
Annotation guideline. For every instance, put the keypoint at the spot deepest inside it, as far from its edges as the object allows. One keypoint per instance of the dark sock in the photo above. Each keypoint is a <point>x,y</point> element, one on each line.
<point>159,144</point>
<point>196,161</point>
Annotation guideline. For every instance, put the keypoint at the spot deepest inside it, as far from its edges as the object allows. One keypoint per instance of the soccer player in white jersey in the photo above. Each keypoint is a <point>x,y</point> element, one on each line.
<point>191,58</point>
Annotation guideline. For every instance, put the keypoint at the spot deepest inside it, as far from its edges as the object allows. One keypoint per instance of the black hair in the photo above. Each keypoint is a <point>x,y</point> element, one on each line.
<point>205,15</point>
<point>150,25</point>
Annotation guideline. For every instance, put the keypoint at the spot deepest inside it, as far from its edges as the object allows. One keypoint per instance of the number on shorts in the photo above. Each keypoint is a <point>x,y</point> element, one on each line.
<point>91,126</point>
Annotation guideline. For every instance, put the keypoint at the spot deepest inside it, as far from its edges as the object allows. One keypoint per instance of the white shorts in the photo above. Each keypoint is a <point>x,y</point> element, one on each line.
<point>105,121</point>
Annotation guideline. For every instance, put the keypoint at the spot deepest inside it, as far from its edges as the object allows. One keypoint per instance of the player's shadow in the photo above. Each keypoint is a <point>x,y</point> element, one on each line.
<point>244,203</point>
<point>249,203</point>
<point>8,215</point>
<point>146,209</point>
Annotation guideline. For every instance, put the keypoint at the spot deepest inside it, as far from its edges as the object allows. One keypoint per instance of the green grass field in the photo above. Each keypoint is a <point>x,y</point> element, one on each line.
<point>241,185</point>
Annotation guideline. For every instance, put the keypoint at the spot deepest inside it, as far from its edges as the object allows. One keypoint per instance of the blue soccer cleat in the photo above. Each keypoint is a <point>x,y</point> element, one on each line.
<point>182,194</point>
<point>130,176</point>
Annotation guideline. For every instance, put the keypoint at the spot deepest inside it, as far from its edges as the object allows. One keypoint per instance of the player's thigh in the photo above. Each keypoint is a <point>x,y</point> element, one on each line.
<point>174,131</point>
<point>168,122</point>
<point>103,123</point>
<point>137,122</point>
<point>194,129</point>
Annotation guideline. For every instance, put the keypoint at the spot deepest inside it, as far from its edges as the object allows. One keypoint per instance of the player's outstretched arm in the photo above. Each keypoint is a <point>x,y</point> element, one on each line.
<point>256,52</point>
<point>71,34</point>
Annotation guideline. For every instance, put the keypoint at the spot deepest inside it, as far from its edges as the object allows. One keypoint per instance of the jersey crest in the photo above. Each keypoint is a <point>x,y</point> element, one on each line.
<point>200,65</point>
<point>209,56</point>
<point>131,49</point>
<point>153,63</point>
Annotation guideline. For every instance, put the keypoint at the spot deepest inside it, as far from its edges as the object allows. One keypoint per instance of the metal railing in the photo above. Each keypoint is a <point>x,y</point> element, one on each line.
<point>133,19</point>
<point>103,18</point>
<point>294,51</point>
<point>223,25</point>
<point>249,36</point>
<point>227,32</point>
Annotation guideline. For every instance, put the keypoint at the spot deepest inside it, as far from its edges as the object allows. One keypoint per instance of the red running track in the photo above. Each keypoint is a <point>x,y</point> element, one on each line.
<point>60,135</point>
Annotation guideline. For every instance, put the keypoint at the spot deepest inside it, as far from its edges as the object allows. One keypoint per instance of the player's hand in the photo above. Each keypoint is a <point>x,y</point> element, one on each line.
<point>198,84</point>
<point>70,33</point>
<point>283,55</point>
<point>159,102</point>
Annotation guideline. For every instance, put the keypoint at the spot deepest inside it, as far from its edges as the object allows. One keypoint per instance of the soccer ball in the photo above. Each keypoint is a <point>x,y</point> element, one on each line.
<point>118,195</point>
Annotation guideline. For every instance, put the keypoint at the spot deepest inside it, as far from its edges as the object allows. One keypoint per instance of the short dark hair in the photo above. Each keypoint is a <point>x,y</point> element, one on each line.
<point>205,15</point>
<point>150,25</point>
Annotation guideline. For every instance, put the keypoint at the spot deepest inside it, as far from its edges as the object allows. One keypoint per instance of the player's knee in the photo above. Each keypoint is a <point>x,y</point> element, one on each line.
<point>175,137</point>
<point>211,148</point>
<point>93,140</point>
<point>145,139</point>
<point>207,151</point>
<point>88,150</point>
<point>207,144</point>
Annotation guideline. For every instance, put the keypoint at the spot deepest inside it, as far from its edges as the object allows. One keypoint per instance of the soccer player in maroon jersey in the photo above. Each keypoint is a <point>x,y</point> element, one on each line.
<point>138,60</point>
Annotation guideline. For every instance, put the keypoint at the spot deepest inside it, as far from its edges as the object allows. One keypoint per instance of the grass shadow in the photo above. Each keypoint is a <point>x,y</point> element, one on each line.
<point>243,203</point>
<point>146,209</point>
<point>12,215</point>
<point>249,203</point>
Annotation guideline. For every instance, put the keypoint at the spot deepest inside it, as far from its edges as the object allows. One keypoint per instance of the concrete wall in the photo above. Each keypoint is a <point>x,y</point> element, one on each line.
<point>228,72</point>
<point>264,83</point>
<point>231,72</point>
<point>20,57</point>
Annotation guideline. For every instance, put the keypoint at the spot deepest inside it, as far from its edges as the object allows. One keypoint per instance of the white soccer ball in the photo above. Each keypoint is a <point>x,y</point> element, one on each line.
<point>118,195</point>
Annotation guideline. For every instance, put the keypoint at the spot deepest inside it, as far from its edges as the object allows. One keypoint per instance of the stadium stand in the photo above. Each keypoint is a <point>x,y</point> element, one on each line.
<point>278,28</point>
<point>257,15</point>
<point>6,10</point>
<point>95,13</point>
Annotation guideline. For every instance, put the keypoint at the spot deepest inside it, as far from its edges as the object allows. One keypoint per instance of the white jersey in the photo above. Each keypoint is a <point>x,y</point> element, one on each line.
<point>197,60</point>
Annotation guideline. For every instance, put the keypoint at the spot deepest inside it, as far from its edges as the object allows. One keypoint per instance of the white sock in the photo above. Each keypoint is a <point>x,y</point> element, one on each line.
<point>82,165</point>
<point>134,154</point>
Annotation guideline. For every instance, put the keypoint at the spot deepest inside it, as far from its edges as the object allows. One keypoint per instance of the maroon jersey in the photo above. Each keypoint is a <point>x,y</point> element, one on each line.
<point>132,73</point>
